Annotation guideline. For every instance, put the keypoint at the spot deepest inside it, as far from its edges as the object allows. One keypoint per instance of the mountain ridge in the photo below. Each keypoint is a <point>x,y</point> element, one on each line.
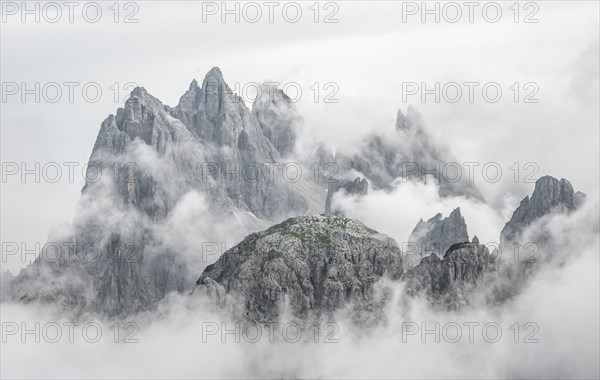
<point>160,156</point>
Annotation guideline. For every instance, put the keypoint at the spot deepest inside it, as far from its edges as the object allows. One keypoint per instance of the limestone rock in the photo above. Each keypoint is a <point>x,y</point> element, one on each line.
<point>308,266</point>
<point>150,158</point>
<point>436,235</point>
<point>455,280</point>
<point>550,195</point>
<point>410,153</point>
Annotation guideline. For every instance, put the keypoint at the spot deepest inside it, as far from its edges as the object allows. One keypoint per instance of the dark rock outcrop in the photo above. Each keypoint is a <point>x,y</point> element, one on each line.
<point>454,281</point>
<point>527,241</point>
<point>119,257</point>
<point>148,159</point>
<point>308,266</point>
<point>550,195</point>
<point>436,235</point>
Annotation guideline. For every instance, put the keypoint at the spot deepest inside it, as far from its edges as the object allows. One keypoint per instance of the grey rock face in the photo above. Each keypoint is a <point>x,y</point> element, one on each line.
<point>455,280</point>
<point>221,119</point>
<point>150,157</point>
<point>550,195</point>
<point>357,187</point>
<point>436,236</point>
<point>308,266</point>
<point>525,241</point>
<point>409,153</point>
<point>278,118</point>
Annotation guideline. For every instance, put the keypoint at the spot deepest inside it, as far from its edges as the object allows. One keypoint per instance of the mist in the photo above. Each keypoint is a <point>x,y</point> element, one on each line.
<point>548,329</point>
<point>549,341</point>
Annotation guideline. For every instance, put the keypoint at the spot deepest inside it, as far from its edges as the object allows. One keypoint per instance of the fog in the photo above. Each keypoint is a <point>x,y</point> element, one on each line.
<point>556,314</point>
<point>368,55</point>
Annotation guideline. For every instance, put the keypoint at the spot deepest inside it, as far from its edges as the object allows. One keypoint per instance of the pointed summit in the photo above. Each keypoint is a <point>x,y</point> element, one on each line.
<point>214,75</point>
<point>412,119</point>
<point>436,235</point>
<point>407,153</point>
<point>414,115</point>
<point>456,216</point>
<point>142,117</point>
<point>193,85</point>
<point>217,96</point>
<point>402,123</point>
<point>141,94</point>
<point>138,91</point>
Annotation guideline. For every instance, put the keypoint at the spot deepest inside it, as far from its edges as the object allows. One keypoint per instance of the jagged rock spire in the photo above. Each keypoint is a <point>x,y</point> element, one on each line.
<point>161,155</point>
<point>550,195</point>
<point>436,236</point>
<point>411,153</point>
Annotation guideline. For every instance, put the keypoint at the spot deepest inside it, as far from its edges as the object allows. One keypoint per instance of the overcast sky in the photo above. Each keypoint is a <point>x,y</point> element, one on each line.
<point>368,54</point>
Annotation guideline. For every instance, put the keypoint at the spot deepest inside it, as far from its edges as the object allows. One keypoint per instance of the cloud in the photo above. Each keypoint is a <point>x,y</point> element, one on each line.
<point>548,330</point>
<point>368,55</point>
<point>397,212</point>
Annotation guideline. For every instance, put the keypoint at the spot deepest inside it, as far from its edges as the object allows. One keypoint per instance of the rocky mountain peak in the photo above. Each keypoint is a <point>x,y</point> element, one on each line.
<point>193,85</point>
<point>408,152</point>
<point>436,235</point>
<point>551,191</point>
<point>308,265</point>
<point>214,75</point>
<point>452,281</point>
<point>138,92</point>
<point>139,107</point>
<point>203,108</point>
<point>216,94</point>
<point>160,156</point>
<point>549,195</point>
<point>142,117</point>
<point>411,120</point>
<point>314,264</point>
